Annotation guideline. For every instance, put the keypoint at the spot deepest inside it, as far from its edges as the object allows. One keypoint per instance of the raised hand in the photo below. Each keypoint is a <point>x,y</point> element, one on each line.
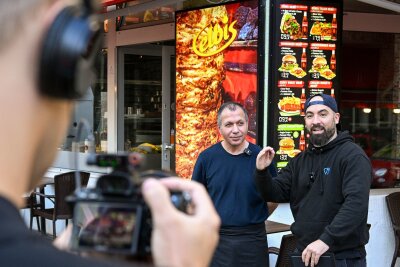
<point>265,158</point>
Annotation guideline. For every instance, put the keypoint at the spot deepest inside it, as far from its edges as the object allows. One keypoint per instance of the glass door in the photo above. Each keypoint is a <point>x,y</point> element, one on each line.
<point>143,103</point>
<point>168,114</point>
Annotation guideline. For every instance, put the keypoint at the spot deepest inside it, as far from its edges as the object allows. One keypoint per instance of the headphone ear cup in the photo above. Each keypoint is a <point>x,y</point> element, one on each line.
<point>67,56</point>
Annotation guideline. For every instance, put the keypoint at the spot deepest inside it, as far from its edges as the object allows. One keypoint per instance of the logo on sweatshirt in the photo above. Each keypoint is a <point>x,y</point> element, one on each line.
<point>327,171</point>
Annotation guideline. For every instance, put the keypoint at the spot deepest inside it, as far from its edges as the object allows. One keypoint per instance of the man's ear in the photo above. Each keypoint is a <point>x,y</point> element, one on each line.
<point>337,118</point>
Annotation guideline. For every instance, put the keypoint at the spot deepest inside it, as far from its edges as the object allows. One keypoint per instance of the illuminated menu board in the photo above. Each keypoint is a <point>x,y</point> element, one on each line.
<point>305,61</point>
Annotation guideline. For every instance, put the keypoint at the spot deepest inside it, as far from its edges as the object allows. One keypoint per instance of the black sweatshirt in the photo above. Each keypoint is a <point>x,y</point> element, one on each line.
<point>328,190</point>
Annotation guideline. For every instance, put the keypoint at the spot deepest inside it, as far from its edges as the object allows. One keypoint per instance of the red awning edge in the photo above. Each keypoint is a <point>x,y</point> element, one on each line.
<point>106,3</point>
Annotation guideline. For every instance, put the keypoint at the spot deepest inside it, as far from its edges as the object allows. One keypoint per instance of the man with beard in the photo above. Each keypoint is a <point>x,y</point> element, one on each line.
<point>226,170</point>
<point>327,187</point>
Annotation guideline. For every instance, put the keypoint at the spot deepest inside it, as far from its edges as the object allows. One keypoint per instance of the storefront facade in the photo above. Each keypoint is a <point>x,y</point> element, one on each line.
<point>132,107</point>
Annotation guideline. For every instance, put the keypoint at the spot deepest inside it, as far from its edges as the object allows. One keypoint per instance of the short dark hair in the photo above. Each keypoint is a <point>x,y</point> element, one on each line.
<point>232,107</point>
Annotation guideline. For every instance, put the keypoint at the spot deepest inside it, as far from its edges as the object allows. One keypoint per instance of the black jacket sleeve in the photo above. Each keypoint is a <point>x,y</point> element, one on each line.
<point>275,189</point>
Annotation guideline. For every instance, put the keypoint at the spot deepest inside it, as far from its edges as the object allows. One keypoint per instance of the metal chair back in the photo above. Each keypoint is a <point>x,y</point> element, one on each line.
<point>393,205</point>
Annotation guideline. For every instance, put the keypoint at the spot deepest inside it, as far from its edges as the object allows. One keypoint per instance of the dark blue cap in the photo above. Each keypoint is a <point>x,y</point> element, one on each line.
<point>327,100</point>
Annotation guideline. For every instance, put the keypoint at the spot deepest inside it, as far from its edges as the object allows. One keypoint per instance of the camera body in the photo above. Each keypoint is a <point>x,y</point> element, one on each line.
<point>113,217</point>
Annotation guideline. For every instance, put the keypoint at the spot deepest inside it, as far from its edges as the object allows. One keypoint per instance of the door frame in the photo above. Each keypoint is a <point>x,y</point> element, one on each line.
<point>167,147</point>
<point>166,53</point>
<point>145,50</point>
<point>113,41</point>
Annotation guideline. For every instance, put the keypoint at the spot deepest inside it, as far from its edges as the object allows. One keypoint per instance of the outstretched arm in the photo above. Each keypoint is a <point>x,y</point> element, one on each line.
<point>275,189</point>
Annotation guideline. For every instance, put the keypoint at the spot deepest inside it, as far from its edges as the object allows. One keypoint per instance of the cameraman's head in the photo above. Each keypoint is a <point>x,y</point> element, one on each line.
<point>33,121</point>
<point>40,78</point>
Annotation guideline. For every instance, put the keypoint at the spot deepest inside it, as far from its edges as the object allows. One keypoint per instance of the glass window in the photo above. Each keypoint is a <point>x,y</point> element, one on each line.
<point>369,103</point>
<point>142,102</point>
<point>92,107</point>
<point>389,152</point>
<point>152,16</point>
<point>100,103</point>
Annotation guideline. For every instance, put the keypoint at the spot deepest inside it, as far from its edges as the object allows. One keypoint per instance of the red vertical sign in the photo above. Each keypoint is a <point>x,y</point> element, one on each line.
<point>216,61</point>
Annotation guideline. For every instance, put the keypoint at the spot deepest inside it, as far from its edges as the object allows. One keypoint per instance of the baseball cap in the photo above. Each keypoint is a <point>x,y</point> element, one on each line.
<point>327,100</point>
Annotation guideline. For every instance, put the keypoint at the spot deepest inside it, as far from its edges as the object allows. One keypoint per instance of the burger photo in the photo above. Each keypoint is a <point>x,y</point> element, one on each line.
<point>286,144</point>
<point>319,64</point>
<point>289,62</point>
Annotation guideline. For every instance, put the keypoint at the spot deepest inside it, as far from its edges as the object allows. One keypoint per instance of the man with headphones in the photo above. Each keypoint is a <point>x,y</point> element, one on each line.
<point>46,56</point>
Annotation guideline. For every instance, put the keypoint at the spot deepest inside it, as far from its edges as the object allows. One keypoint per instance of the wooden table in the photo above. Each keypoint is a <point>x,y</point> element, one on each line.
<point>272,227</point>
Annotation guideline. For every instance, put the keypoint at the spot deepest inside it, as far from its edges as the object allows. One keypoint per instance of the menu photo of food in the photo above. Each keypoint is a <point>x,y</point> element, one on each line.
<point>289,106</point>
<point>324,23</point>
<point>286,146</point>
<point>289,64</point>
<point>290,26</point>
<point>323,29</point>
<point>247,23</point>
<point>320,65</point>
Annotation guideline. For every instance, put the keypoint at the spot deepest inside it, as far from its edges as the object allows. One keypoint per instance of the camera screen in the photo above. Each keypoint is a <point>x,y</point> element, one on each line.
<point>106,226</point>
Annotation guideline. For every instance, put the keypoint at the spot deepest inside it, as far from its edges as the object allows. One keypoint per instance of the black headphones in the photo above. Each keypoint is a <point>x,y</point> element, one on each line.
<point>68,53</point>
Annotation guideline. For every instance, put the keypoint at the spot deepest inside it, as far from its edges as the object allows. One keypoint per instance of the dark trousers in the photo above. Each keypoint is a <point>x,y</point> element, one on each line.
<point>359,262</point>
<point>355,258</point>
<point>242,247</point>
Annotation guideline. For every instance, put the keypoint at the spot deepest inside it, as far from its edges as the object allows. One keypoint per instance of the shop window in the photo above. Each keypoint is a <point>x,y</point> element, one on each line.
<point>142,103</point>
<point>369,99</point>
<point>148,17</point>
<point>360,68</point>
<point>92,108</point>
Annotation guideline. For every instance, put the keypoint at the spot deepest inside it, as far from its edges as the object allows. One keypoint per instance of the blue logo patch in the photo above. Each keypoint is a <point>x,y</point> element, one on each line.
<point>327,171</point>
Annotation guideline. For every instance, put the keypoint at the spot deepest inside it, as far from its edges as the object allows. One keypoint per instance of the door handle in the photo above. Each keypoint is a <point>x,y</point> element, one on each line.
<point>168,147</point>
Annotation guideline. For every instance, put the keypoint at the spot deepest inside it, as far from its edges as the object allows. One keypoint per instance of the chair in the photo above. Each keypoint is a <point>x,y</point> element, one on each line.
<point>64,185</point>
<point>31,202</point>
<point>288,245</point>
<point>393,205</point>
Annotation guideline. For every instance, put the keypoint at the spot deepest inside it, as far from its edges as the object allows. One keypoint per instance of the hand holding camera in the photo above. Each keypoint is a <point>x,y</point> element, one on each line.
<point>180,239</point>
<point>132,213</point>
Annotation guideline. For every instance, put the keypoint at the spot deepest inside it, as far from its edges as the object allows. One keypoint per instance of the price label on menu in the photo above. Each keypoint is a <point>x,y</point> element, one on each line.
<point>305,51</point>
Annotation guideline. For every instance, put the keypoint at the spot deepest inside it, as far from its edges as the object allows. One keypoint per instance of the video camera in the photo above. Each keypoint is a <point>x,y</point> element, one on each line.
<point>112,217</point>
